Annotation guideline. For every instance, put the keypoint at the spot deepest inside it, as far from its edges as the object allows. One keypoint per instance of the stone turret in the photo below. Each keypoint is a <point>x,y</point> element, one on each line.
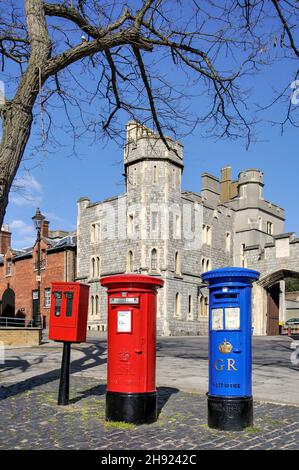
<point>144,144</point>
<point>250,185</point>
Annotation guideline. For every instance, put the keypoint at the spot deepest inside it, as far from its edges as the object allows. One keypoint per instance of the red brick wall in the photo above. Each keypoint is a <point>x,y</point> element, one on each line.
<point>23,280</point>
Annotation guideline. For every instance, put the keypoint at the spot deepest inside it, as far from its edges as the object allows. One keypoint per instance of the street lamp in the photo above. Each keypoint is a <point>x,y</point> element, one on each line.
<point>38,219</point>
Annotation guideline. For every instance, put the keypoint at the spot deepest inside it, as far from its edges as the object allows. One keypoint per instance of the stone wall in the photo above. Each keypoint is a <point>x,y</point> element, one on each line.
<point>12,336</point>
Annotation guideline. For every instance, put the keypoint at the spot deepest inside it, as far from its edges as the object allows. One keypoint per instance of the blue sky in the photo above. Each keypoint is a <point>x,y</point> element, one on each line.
<point>54,181</point>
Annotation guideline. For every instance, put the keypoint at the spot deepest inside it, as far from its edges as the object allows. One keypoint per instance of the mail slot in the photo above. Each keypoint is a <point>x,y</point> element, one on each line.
<point>68,313</point>
<point>131,389</point>
<point>230,403</point>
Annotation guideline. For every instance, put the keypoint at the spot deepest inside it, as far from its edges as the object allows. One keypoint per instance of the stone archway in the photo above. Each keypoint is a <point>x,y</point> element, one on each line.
<point>272,299</point>
<point>8,303</point>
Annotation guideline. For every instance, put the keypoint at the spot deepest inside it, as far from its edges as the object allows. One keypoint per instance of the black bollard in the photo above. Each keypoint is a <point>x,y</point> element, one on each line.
<point>64,384</point>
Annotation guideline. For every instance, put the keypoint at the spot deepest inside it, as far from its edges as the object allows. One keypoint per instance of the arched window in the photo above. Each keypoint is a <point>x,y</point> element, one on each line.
<point>203,307</point>
<point>98,266</point>
<point>130,261</point>
<point>203,265</point>
<point>93,263</point>
<point>92,305</point>
<point>177,264</point>
<point>154,260</point>
<point>97,305</point>
<point>177,306</point>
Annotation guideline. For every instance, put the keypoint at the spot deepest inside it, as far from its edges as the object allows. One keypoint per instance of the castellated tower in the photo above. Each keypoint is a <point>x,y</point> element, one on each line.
<point>250,185</point>
<point>148,161</point>
<point>153,187</point>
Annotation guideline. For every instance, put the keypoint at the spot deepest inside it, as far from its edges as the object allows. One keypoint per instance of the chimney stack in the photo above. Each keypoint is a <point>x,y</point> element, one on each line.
<point>45,229</point>
<point>228,188</point>
<point>5,239</point>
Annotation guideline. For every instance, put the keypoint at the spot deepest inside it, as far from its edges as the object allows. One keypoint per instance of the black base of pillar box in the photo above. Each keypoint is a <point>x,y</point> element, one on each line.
<point>136,408</point>
<point>230,413</point>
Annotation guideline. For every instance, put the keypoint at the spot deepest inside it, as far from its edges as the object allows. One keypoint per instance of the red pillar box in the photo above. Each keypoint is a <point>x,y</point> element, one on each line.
<point>68,313</point>
<point>131,389</point>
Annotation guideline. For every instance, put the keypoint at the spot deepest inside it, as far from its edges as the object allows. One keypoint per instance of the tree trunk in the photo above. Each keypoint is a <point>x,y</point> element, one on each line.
<point>17,114</point>
<point>16,126</point>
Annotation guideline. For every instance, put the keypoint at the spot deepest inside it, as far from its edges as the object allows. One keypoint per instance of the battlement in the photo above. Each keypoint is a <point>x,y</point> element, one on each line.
<point>251,176</point>
<point>143,143</point>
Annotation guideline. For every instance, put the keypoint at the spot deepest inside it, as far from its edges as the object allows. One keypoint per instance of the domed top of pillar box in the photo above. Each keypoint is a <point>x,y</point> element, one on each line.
<point>230,276</point>
<point>127,281</point>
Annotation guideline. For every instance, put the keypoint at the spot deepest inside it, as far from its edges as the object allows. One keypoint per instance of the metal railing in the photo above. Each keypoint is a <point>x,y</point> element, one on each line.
<point>9,322</point>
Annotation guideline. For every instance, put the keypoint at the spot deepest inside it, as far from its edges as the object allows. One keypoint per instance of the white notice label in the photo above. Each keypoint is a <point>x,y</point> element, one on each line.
<point>217,319</point>
<point>232,318</point>
<point>124,321</point>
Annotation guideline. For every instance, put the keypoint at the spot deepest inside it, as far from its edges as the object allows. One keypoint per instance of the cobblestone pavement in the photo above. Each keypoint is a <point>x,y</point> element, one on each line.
<point>31,419</point>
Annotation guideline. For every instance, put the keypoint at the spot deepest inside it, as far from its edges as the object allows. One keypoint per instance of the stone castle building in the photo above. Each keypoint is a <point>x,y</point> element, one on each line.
<point>156,228</point>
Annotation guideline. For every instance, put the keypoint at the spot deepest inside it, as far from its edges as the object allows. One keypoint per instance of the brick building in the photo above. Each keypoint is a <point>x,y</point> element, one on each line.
<point>18,271</point>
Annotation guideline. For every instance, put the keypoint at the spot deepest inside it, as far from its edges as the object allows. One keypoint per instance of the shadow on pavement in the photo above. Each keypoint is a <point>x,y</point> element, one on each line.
<point>90,359</point>
<point>97,390</point>
<point>164,393</point>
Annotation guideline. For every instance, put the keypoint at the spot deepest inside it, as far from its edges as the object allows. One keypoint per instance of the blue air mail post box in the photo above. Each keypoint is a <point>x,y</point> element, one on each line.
<point>230,404</point>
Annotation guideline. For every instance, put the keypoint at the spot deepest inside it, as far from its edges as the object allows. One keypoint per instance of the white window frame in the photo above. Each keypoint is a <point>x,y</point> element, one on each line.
<point>243,191</point>
<point>47,297</point>
<point>269,227</point>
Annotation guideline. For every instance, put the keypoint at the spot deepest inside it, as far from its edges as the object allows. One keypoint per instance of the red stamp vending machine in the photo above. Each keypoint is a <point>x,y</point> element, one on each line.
<point>68,314</point>
<point>68,324</point>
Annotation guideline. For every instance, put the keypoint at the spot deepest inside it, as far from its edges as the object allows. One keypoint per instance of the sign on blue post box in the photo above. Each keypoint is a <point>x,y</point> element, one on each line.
<point>230,404</point>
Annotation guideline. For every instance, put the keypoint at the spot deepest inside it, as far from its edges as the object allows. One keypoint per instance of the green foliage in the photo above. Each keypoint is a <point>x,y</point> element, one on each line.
<point>291,284</point>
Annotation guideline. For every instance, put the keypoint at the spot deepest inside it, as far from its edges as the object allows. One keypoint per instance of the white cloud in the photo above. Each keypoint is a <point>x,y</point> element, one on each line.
<point>23,242</point>
<point>21,227</point>
<point>26,191</point>
<point>25,200</point>
<point>53,217</point>
<point>24,235</point>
